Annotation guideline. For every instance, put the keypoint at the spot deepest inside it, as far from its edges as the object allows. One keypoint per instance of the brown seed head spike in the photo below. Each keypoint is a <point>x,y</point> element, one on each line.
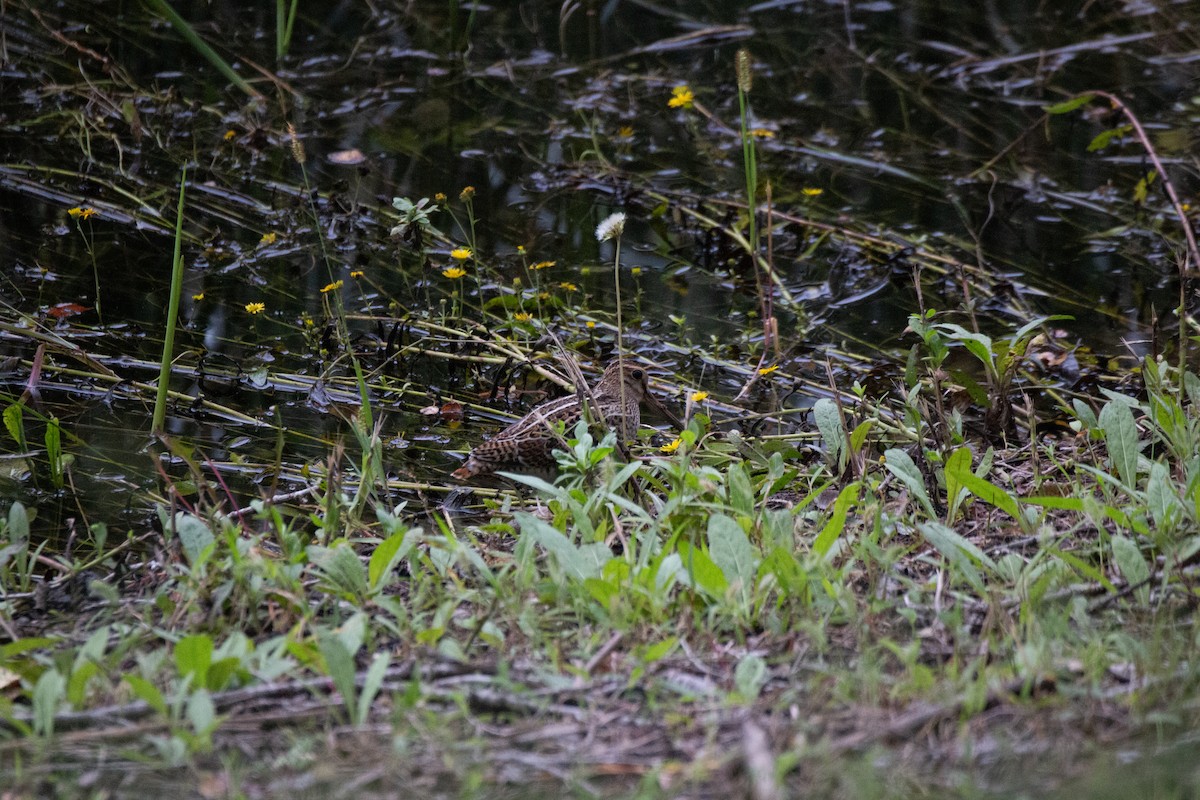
<point>530,441</point>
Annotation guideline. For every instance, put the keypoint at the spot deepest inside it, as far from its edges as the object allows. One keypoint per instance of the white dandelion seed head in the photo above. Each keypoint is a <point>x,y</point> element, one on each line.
<point>611,227</point>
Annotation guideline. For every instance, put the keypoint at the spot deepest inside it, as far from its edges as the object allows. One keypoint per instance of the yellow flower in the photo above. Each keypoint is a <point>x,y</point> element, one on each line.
<point>768,370</point>
<point>454,272</point>
<point>255,308</point>
<point>681,97</point>
<point>358,273</point>
<point>522,316</point>
<point>439,198</point>
<point>229,134</point>
<point>460,253</point>
<point>672,446</point>
<point>82,213</point>
<point>591,323</point>
<point>809,191</point>
<point>762,133</point>
<point>521,249</point>
<point>544,264</point>
<point>330,287</point>
<point>635,271</point>
<point>625,131</point>
<point>467,193</point>
<point>268,238</point>
<point>198,297</point>
<point>307,320</point>
<point>699,397</point>
<point>570,287</point>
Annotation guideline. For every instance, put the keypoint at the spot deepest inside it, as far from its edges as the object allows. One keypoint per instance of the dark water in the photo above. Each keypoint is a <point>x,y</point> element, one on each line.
<point>894,128</point>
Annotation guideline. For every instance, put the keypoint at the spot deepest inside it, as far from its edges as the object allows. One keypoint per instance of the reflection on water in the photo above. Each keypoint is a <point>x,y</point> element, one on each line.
<point>911,125</point>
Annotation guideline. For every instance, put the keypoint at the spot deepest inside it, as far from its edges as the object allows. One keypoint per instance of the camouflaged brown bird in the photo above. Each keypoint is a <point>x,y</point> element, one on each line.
<point>530,441</point>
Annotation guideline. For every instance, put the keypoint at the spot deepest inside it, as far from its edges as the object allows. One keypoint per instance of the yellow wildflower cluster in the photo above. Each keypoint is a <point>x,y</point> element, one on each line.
<point>82,213</point>
<point>255,308</point>
<point>681,97</point>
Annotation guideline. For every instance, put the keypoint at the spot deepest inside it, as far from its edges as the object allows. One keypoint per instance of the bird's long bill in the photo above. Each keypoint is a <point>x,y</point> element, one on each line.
<point>658,406</point>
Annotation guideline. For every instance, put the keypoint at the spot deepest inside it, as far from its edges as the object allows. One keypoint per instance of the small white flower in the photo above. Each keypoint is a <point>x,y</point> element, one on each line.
<point>612,227</point>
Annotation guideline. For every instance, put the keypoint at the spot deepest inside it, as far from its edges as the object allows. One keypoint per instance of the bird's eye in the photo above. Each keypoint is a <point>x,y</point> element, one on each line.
<point>638,374</point>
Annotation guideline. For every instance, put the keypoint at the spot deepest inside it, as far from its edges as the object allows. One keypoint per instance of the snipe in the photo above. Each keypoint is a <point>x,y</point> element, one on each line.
<point>530,441</point>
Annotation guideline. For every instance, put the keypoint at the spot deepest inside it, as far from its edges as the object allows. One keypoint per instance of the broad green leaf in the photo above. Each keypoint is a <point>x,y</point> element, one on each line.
<point>836,523</point>
<point>194,536</point>
<point>958,462</point>
<point>1132,564</point>
<point>1121,436</point>
<point>193,655</point>
<point>962,554</point>
<point>701,573</point>
<point>14,421</point>
<point>371,683</point>
<point>732,552</point>
<point>390,552</point>
<point>750,675</point>
<point>48,692</point>
<point>201,712</point>
<point>341,568</point>
<point>579,563</point>
<point>147,692</point>
<point>900,464</point>
<point>659,649</point>
<point>339,666</point>
<point>1165,505</point>
<point>984,489</point>
<point>741,492</point>
<point>829,423</point>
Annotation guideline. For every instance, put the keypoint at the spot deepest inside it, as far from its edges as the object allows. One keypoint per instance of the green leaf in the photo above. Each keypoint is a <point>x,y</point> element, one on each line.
<point>388,553</point>
<point>732,552</point>
<point>1103,139</point>
<point>750,675</point>
<point>829,423</point>
<point>341,568</point>
<point>837,520</point>
<point>900,464</point>
<point>1130,561</point>
<point>54,452</point>
<point>14,421</point>
<point>958,462</point>
<point>48,692</point>
<point>1121,436</point>
<point>741,492</point>
<point>1067,106</point>
<point>701,573</point>
<point>962,554</point>
<point>193,655</point>
<point>579,563</point>
<point>659,650</point>
<point>371,683</point>
<point>1161,498</point>
<point>339,666</point>
<point>194,536</point>
<point>985,490</point>
<point>147,692</point>
<point>201,712</point>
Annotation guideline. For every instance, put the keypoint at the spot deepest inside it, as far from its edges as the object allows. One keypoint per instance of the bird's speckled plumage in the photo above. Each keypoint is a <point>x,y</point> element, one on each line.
<point>530,441</point>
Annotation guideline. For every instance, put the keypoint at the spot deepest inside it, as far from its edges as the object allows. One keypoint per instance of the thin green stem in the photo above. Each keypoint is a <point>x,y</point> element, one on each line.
<point>164,369</point>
